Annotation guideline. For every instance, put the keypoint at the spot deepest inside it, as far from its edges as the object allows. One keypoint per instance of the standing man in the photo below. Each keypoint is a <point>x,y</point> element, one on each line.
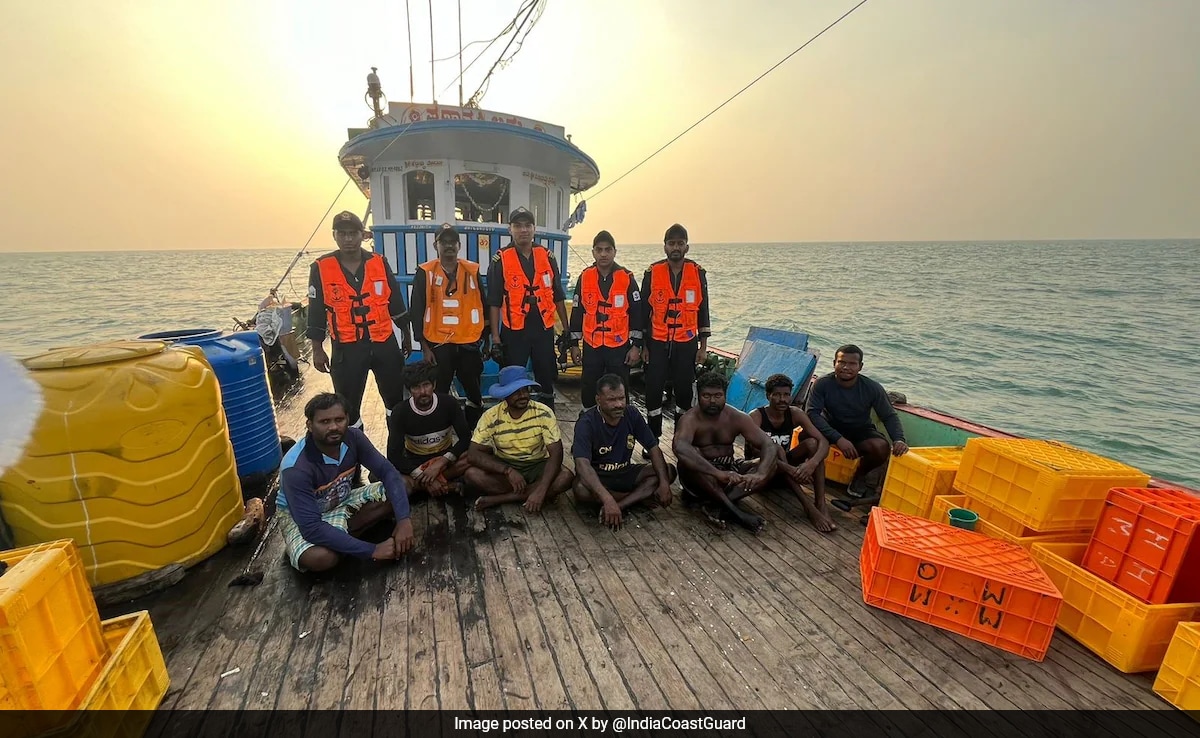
<point>675,295</point>
<point>516,452</point>
<point>603,450</point>
<point>840,407</point>
<point>448,319</point>
<point>607,318</point>
<point>524,293</point>
<point>353,297</point>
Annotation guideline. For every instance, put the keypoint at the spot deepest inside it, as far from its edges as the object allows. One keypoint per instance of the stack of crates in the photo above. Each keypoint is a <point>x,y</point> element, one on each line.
<point>1028,491</point>
<point>987,590</point>
<point>916,478</point>
<point>57,656</point>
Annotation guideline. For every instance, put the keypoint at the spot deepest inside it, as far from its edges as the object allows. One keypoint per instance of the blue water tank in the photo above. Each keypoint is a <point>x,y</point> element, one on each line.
<point>241,369</point>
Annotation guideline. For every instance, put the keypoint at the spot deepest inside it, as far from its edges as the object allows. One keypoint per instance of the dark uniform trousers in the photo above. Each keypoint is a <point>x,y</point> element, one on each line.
<point>674,362</point>
<point>464,360</point>
<point>596,363</point>
<point>533,342</point>
<point>348,367</point>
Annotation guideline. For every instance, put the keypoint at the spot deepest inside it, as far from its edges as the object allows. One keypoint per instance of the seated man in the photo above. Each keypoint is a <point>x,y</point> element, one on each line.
<point>805,460</point>
<point>703,445</point>
<point>603,446</point>
<point>840,408</point>
<point>427,434</point>
<point>321,512</point>
<point>516,452</point>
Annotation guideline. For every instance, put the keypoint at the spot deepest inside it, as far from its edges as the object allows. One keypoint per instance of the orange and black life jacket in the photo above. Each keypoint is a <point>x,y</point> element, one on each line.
<point>605,322</point>
<point>353,315</point>
<point>521,294</point>
<point>674,315</point>
<point>453,310</point>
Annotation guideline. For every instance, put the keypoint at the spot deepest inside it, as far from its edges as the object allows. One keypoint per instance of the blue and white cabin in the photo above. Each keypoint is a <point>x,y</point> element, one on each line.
<point>424,165</point>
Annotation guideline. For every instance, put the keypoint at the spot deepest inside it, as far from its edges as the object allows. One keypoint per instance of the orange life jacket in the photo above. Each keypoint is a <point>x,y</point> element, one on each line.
<point>353,316</point>
<point>519,291</point>
<point>674,316</point>
<point>457,317</point>
<point>605,322</point>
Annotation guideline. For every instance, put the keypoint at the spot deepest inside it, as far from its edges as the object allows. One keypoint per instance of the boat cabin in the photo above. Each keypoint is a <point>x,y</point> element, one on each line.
<point>424,165</point>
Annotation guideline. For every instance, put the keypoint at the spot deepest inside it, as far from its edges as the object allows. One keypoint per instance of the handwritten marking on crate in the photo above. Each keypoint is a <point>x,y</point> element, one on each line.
<point>925,596</point>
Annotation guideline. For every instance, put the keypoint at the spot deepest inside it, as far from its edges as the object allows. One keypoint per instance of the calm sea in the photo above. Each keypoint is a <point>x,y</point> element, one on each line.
<point>1086,342</point>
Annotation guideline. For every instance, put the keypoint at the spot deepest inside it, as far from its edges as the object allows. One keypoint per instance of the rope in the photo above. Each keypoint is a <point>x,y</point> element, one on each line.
<point>736,94</point>
<point>503,32</point>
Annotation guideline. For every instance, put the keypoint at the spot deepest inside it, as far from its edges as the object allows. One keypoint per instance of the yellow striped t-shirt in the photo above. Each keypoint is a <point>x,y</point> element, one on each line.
<point>522,439</point>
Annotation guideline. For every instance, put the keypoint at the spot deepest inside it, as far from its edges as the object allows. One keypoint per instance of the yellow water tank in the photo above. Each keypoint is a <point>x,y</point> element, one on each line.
<point>130,457</point>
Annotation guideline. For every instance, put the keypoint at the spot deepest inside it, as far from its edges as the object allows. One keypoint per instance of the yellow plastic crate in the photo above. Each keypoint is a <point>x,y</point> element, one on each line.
<point>838,468</point>
<point>1026,542</point>
<point>50,640</point>
<point>1178,680</point>
<point>1047,486</point>
<point>939,509</point>
<point>1118,627</point>
<point>915,478</point>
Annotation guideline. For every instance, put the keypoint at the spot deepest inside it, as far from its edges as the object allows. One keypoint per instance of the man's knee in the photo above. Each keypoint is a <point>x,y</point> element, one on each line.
<point>318,558</point>
<point>564,480</point>
<point>582,493</point>
<point>875,448</point>
<point>475,476</point>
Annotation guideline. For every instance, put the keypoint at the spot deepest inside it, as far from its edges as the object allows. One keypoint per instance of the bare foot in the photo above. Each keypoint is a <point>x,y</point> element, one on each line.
<point>483,502</point>
<point>822,521</point>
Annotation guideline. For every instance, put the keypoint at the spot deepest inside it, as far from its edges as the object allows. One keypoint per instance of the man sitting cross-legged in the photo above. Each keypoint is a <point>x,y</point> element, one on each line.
<point>427,434</point>
<point>603,446</point>
<point>516,452</point>
<point>798,463</point>
<point>320,510</point>
<point>703,444</point>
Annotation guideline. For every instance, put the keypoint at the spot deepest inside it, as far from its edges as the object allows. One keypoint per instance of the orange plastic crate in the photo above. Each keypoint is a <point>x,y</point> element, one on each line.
<point>50,640</point>
<point>915,478</point>
<point>1046,486</point>
<point>960,581</point>
<point>1178,681</point>
<point>1146,543</point>
<point>1118,627</point>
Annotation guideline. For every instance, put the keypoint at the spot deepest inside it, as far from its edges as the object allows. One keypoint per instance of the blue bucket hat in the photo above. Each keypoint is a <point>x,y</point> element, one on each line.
<point>511,379</point>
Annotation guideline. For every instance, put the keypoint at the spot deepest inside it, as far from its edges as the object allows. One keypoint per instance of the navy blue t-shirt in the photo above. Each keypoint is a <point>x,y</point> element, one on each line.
<point>610,447</point>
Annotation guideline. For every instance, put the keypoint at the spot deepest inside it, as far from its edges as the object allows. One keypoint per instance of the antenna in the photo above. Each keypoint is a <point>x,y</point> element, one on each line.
<point>460,51</point>
<point>432,84</point>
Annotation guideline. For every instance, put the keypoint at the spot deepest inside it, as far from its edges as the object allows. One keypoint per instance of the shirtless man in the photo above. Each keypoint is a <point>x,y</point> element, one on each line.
<point>799,463</point>
<point>703,445</point>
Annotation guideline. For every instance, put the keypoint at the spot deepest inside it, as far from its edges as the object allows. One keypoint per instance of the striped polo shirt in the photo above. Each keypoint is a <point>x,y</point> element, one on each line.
<point>520,440</point>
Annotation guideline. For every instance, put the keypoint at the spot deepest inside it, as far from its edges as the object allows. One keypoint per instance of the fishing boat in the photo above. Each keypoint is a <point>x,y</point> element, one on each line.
<point>503,610</point>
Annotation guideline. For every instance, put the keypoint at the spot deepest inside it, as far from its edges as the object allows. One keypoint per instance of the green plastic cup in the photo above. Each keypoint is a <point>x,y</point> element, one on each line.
<point>961,517</point>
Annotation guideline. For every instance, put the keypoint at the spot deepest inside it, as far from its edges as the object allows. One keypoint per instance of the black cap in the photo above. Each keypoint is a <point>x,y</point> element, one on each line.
<point>675,231</point>
<point>347,218</point>
<point>520,214</point>
<point>447,233</point>
<point>604,237</point>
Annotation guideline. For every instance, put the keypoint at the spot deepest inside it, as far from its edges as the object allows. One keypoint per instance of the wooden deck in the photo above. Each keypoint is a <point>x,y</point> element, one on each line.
<point>515,611</point>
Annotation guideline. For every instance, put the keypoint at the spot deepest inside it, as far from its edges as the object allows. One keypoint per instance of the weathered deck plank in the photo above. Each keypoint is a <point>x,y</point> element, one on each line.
<point>509,610</point>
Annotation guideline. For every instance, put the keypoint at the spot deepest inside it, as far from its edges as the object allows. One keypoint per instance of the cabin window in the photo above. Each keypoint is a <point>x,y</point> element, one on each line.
<point>387,197</point>
<point>558,209</point>
<point>538,196</point>
<point>481,197</point>
<point>418,190</point>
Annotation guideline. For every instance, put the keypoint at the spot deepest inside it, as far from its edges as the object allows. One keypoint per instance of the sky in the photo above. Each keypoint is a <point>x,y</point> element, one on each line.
<point>151,124</point>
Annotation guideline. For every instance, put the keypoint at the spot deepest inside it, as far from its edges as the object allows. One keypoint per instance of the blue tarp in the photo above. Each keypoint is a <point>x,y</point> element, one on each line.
<point>769,351</point>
